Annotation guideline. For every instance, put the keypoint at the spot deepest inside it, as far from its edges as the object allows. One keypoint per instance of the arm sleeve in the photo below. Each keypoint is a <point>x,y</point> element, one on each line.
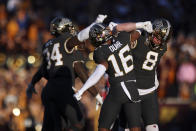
<point>42,71</point>
<point>124,37</point>
<point>84,34</point>
<point>99,55</point>
<point>128,27</point>
<point>38,75</point>
<point>94,78</point>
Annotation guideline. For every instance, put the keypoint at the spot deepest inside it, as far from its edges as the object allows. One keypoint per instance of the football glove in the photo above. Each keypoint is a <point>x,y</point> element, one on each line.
<point>99,99</point>
<point>100,18</point>
<point>112,25</point>
<point>78,95</point>
<point>147,26</point>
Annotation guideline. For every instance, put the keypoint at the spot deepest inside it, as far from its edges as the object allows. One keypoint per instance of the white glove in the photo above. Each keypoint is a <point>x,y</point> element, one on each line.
<point>147,26</point>
<point>100,18</point>
<point>99,99</point>
<point>112,25</point>
<point>78,95</point>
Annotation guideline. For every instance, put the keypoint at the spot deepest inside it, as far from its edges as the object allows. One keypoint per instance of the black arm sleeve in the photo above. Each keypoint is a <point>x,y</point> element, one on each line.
<point>42,72</point>
<point>38,75</point>
<point>99,55</point>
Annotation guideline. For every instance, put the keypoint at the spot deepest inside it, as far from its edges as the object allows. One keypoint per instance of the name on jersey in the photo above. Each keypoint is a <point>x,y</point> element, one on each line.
<point>115,46</point>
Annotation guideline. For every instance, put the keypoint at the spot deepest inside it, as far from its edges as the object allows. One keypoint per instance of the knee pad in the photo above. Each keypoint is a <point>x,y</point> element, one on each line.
<point>153,127</point>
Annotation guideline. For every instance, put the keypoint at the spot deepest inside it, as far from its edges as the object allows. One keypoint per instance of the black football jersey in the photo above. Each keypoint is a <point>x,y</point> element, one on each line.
<point>146,62</point>
<point>119,58</point>
<point>58,60</point>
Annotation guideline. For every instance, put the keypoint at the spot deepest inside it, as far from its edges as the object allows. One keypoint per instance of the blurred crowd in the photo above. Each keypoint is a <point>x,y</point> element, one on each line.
<point>24,26</point>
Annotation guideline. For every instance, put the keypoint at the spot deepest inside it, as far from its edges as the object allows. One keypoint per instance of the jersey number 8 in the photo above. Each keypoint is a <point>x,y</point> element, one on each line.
<point>150,62</point>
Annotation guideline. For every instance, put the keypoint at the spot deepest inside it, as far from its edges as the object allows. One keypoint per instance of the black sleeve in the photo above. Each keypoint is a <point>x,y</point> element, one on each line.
<point>38,75</point>
<point>124,37</point>
<point>42,71</point>
<point>99,55</point>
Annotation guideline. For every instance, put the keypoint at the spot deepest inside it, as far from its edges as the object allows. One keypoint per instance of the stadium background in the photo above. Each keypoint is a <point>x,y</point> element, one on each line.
<point>24,28</point>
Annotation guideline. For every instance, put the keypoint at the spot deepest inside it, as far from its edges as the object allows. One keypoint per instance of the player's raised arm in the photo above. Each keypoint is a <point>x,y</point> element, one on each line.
<point>61,25</point>
<point>41,72</point>
<point>83,34</point>
<point>98,36</point>
<point>130,26</point>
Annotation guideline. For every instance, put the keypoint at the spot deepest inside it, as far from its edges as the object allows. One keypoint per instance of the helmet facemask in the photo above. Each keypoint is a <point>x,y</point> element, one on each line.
<point>160,35</point>
<point>99,34</point>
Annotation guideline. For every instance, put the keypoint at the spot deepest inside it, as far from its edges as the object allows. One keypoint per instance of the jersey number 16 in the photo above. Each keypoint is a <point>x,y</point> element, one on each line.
<point>124,60</point>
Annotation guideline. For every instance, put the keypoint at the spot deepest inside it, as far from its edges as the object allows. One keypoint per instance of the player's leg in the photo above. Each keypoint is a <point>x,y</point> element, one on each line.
<point>56,118</point>
<point>150,111</point>
<point>116,125</point>
<point>122,120</point>
<point>73,113</point>
<point>47,120</point>
<point>109,112</point>
<point>132,113</point>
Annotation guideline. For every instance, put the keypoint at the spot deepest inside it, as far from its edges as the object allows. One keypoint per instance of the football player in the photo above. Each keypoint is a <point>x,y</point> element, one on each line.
<point>59,66</point>
<point>113,55</point>
<point>147,50</point>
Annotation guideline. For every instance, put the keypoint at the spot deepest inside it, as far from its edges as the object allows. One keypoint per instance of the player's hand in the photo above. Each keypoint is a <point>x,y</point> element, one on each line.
<point>30,90</point>
<point>78,95</point>
<point>99,99</point>
<point>147,26</point>
<point>100,18</point>
<point>112,25</point>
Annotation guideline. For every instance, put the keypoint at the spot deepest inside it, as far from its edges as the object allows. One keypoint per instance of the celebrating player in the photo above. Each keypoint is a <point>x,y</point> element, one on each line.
<point>59,66</point>
<point>113,55</point>
<point>147,50</point>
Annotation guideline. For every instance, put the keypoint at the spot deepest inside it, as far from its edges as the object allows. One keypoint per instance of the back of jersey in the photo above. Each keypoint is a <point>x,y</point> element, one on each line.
<point>119,58</point>
<point>58,60</point>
